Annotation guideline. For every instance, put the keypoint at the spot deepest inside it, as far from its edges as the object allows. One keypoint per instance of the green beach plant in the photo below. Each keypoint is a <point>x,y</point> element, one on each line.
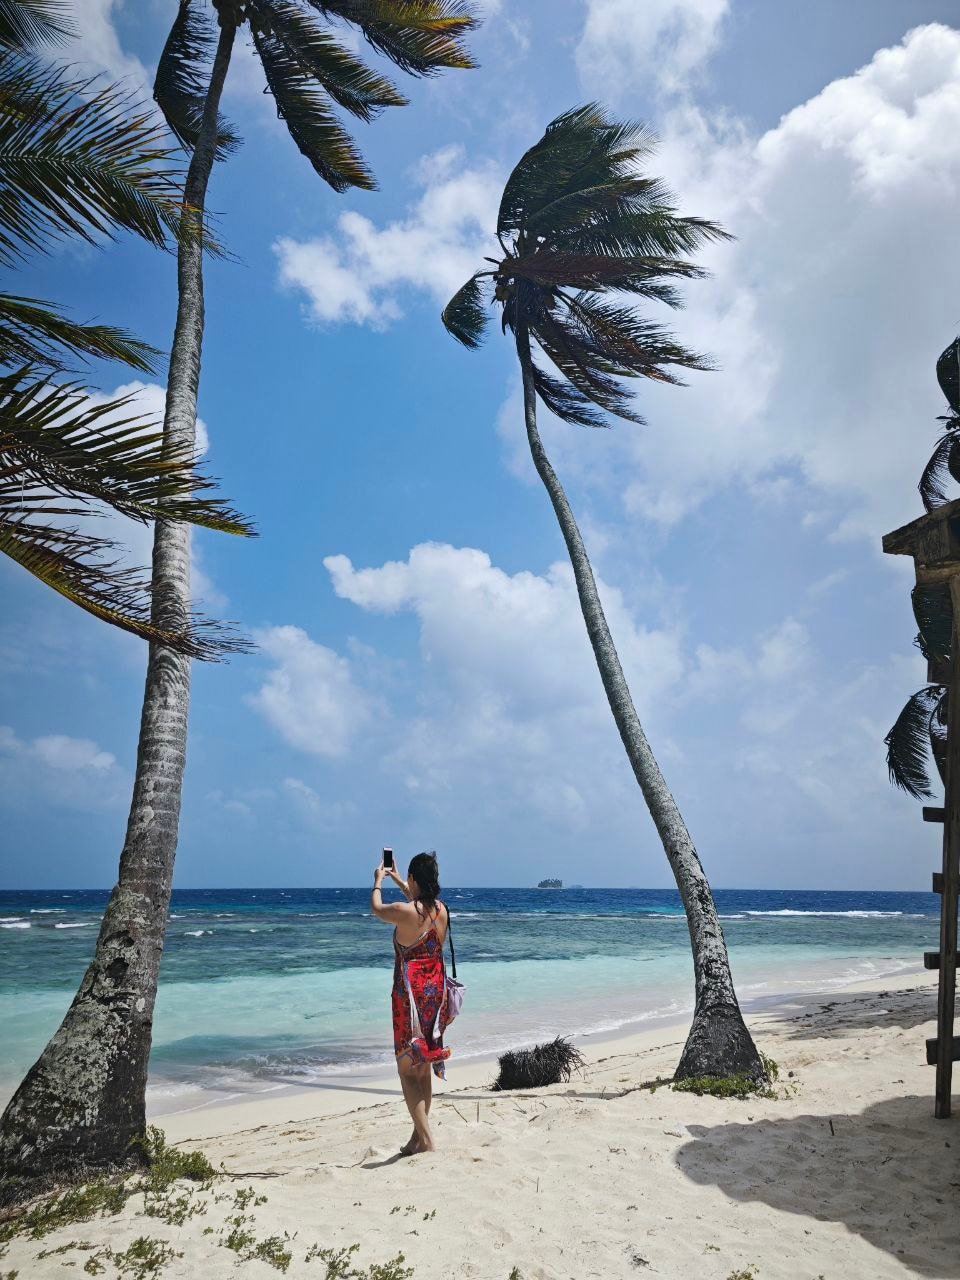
<point>585,234</point>
<point>84,1099</point>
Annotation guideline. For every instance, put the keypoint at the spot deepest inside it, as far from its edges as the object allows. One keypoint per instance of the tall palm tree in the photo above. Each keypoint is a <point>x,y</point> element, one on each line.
<point>578,222</point>
<point>83,1101</point>
<point>80,159</point>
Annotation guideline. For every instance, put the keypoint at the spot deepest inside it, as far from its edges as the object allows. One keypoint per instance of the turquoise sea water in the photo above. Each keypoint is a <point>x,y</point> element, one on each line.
<point>292,985</point>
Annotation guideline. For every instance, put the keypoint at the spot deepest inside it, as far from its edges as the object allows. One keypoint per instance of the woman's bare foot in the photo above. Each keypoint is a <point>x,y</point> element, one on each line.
<point>412,1146</point>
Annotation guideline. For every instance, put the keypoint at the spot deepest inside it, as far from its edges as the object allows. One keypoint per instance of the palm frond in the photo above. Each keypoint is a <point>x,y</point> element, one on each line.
<point>566,401</point>
<point>24,24</point>
<point>636,346</point>
<point>307,113</point>
<point>59,450</point>
<point>592,271</point>
<point>933,480</point>
<point>77,160</point>
<point>933,610</point>
<point>421,37</point>
<point>74,565</point>
<point>948,374</point>
<point>909,742</point>
<point>580,153</point>
<point>38,333</point>
<point>183,74</point>
<point>579,221</point>
<point>464,315</point>
<point>583,365</point>
<point>351,83</point>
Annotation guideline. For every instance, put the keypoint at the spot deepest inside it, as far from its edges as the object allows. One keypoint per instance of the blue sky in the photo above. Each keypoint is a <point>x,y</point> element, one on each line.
<point>422,678</point>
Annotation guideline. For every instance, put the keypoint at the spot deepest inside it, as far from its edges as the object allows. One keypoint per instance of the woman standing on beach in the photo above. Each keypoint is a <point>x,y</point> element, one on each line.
<point>419,986</point>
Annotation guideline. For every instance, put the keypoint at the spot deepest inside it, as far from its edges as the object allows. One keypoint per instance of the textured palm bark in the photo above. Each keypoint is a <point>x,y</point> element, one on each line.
<point>83,1102</point>
<point>718,1043</point>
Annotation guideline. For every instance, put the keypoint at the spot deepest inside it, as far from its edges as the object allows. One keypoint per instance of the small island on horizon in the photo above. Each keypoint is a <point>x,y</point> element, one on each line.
<point>550,884</point>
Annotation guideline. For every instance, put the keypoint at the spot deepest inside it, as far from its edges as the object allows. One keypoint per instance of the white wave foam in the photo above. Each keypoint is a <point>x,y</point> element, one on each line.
<point>9,919</point>
<point>84,925</point>
<point>20,924</point>
<point>46,911</point>
<point>196,933</point>
<point>853,915</point>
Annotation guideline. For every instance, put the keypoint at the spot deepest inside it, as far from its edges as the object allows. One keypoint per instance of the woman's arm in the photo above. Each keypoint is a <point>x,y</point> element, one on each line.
<point>391,912</point>
<point>401,884</point>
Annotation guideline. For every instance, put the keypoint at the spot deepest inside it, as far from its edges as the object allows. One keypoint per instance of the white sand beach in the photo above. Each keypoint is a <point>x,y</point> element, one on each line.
<point>844,1175</point>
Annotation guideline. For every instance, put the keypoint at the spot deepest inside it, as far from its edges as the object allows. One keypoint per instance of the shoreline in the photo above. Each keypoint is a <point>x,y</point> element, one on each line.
<point>322,1096</point>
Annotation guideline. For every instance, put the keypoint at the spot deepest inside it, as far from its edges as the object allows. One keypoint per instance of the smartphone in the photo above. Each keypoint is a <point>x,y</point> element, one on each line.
<point>388,859</point>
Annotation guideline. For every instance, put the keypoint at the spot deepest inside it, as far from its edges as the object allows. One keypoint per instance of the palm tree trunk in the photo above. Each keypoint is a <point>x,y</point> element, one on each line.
<point>83,1101</point>
<point>718,1043</point>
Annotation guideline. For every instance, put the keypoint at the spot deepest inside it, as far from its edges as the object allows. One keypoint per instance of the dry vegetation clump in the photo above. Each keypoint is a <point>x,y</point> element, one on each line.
<point>552,1063</point>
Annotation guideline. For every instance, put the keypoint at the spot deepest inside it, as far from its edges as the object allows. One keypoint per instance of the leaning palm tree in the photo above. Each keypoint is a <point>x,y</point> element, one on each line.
<point>82,1102</point>
<point>581,228</point>
<point>81,160</point>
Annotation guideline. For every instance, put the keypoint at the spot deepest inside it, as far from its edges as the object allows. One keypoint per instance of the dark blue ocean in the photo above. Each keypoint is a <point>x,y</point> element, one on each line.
<point>263,986</point>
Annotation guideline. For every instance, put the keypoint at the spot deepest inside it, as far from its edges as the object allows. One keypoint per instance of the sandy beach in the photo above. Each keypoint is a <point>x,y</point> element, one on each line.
<point>845,1174</point>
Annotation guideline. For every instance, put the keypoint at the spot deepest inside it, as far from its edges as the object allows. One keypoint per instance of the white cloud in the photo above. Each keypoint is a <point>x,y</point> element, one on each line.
<point>356,276</point>
<point>822,316</point>
<point>519,637</point>
<point>625,45</point>
<point>98,45</point>
<point>71,773</point>
<point>319,812</point>
<point>310,696</point>
<point>510,709</point>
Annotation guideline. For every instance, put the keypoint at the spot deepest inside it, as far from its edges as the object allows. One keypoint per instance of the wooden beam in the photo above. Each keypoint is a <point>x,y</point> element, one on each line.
<point>932,814</point>
<point>938,882</point>
<point>932,539</point>
<point>931,959</point>
<point>932,1058</point>
<point>938,671</point>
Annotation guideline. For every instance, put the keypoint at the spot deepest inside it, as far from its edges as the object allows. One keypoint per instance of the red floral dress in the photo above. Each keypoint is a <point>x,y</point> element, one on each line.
<point>419,1000</point>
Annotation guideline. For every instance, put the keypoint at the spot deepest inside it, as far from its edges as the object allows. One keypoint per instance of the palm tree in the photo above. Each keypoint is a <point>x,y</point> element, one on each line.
<point>579,222</point>
<point>82,1103</point>
<point>80,159</point>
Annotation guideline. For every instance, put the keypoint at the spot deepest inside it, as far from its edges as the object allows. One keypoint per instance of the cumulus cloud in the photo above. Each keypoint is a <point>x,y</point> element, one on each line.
<point>356,276</point>
<point>310,695</point>
<point>821,316</point>
<point>520,636</point>
<point>72,773</point>
<point>98,46</point>
<point>624,45</point>
<point>510,705</point>
<point>318,811</point>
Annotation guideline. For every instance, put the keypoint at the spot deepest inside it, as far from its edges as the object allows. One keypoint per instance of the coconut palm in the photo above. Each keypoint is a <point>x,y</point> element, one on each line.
<point>581,229</point>
<point>80,159</point>
<point>82,1102</point>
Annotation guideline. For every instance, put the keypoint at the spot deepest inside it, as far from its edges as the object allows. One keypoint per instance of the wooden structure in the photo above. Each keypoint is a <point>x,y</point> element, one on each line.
<point>934,543</point>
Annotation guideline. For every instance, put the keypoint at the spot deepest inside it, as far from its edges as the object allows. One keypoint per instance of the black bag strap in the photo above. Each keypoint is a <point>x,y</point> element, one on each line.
<point>453,954</point>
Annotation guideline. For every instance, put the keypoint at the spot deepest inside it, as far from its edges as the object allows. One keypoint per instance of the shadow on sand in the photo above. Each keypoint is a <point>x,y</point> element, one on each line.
<point>880,1009</point>
<point>854,1175</point>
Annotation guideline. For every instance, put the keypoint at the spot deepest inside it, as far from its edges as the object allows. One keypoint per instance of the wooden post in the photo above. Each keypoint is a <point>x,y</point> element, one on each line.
<point>947,990</point>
